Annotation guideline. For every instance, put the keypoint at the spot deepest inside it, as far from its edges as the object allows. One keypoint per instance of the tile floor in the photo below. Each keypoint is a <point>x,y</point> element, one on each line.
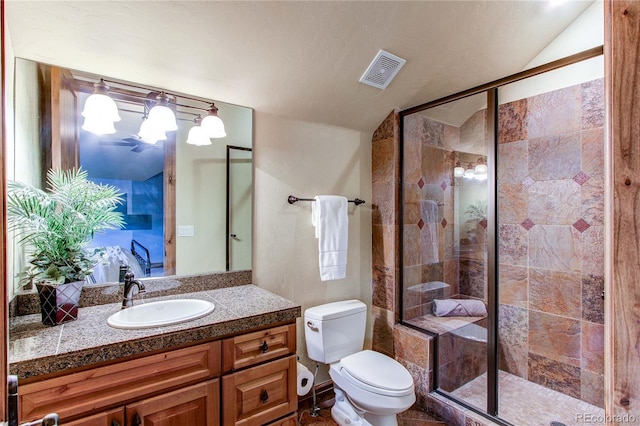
<point>525,403</point>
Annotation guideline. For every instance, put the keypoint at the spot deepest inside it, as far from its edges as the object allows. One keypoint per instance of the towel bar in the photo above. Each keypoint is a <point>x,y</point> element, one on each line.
<point>292,199</point>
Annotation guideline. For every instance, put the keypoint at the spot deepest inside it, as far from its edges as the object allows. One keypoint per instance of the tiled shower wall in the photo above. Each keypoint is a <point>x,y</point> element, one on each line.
<point>551,235</point>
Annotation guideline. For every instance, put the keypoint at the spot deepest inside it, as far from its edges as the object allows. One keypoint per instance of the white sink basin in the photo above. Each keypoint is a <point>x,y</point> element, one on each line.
<point>157,314</point>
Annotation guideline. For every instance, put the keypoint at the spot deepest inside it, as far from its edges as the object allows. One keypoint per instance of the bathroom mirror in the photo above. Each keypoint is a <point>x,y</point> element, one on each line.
<point>187,207</point>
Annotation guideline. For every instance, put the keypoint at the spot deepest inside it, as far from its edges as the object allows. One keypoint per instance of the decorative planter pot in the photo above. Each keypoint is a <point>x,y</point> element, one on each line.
<point>59,303</point>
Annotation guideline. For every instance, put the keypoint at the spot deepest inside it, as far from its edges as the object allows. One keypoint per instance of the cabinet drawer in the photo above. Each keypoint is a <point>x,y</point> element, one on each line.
<point>260,394</point>
<point>85,392</point>
<point>253,348</point>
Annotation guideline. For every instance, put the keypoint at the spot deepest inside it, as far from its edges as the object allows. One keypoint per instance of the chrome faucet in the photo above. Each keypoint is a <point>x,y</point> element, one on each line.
<point>129,284</point>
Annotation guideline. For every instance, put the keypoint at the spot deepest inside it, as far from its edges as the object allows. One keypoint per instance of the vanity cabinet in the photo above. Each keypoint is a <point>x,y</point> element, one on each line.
<point>252,375</point>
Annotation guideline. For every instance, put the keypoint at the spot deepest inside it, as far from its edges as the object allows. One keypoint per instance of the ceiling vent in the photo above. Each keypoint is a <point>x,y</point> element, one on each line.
<point>382,69</point>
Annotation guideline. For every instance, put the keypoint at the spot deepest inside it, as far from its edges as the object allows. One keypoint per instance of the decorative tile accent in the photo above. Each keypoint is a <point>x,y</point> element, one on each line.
<point>421,183</point>
<point>528,181</point>
<point>443,223</point>
<point>483,223</point>
<point>581,225</point>
<point>527,224</point>
<point>581,178</point>
<point>443,185</point>
<point>420,224</point>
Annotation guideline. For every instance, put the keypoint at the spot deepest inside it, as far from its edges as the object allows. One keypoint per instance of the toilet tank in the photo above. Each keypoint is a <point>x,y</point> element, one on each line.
<point>335,330</point>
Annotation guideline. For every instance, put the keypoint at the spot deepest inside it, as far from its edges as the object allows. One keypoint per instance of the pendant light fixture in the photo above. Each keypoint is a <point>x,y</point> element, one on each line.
<point>149,133</point>
<point>212,124</point>
<point>161,116</point>
<point>458,170</point>
<point>481,167</point>
<point>197,135</point>
<point>100,111</point>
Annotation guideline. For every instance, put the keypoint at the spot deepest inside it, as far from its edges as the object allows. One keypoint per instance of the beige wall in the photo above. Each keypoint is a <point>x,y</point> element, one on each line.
<point>307,159</point>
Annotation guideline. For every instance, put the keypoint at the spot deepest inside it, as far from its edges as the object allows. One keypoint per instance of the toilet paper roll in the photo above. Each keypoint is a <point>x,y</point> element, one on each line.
<point>304,380</point>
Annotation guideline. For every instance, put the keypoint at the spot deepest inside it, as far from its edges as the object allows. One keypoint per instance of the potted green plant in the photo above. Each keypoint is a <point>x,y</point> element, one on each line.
<point>55,227</point>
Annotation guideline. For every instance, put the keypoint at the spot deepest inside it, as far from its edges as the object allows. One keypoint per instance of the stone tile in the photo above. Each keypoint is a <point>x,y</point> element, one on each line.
<point>555,247</point>
<point>382,325</point>
<point>412,213</point>
<point>421,380</point>
<point>432,272</point>
<point>412,275</point>
<point>555,292</point>
<point>592,302</point>
<point>556,112</point>
<point>555,157</point>
<point>412,159</point>
<point>514,245</point>
<point>433,165</point>
<point>411,246</point>
<point>514,285</point>
<point>384,245</point>
<point>434,134</point>
<point>413,346</point>
<point>554,337</point>
<point>592,194</point>
<point>473,133</point>
<point>593,251</point>
<point>513,166</point>
<point>593,152</point>
<point>472,278</point>
<point>412,192</point>
<point>592,103</point>
<point>451,138</point>
<point>384,202</point>
<point>451,270</point>
<point>592,388</point>
<point>384,160</point>
<point>383,292</point>
<point>593,347</point>
<point>512,124</point>
<point>386,129</point>
<point>513,339</point>
<point>554,202</point>
<point>555,375</point>
<point>513,203</point>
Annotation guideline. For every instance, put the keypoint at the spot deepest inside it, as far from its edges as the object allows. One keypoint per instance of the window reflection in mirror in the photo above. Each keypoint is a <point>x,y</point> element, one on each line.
<point>176,206</point>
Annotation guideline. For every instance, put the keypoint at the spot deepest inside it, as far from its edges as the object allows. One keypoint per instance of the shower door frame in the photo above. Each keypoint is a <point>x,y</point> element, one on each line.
<point>491,90</point>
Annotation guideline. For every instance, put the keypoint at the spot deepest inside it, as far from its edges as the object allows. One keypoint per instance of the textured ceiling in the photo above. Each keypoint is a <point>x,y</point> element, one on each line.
<point>294,59</point>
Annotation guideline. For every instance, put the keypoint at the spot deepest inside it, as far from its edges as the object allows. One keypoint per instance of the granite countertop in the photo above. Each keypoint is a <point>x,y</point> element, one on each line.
<point>36,349</point>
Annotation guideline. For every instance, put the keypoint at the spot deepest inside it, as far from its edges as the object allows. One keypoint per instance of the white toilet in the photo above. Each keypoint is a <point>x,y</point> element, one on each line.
<point>371,388</point>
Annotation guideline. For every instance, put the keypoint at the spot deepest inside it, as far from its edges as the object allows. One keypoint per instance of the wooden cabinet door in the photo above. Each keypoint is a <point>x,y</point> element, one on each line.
<point>196,405</point>
<point>260,394</point>
<point>108,418</point>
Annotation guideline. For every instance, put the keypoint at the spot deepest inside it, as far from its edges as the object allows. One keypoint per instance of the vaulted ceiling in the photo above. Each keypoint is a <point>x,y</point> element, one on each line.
<point>298,59</point>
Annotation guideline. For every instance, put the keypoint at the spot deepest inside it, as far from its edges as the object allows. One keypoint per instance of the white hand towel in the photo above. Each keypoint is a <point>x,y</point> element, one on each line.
<point>330,219</point>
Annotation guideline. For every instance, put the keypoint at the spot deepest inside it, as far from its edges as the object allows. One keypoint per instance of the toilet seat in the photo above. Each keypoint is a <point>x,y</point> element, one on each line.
<point>376,373</point>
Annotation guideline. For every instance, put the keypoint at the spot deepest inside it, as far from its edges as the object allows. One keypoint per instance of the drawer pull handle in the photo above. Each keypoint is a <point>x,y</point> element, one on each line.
<point>264,347</point>
<point>136,420</point>
<point>264,396</point>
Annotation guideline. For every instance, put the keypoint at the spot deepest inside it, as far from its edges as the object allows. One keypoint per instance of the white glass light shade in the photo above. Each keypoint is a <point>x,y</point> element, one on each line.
<point>150,134</point>
<point>213,126</point>
<point>163,118</point>
<point>458,171</point>
<point>100,106</point>
<point>198,136</point>
<point>469,173</point>
<point>98,126</point>
<point>481,169</point>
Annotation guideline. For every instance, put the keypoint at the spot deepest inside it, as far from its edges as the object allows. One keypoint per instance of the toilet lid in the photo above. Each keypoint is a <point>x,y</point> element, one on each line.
<point>377,370</point>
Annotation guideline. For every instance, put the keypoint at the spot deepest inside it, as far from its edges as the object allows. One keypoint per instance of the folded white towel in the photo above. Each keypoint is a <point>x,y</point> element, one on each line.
<point>330,219</point>
<point>459,308</point>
